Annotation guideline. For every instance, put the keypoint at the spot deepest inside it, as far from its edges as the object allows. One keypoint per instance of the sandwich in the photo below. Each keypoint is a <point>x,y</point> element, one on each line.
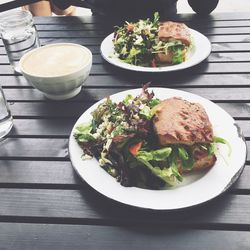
<point>175,39</point>
<point>186,125</point>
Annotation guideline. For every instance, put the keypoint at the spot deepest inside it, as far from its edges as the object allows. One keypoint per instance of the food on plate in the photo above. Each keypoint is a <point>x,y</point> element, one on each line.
<point>177,121</point>
<point>169,32</point>
<point>152,43</point>
<point>145,142</point>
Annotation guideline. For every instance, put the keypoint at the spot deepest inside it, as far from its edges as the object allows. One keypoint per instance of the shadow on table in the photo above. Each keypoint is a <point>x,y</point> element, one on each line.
<point>211,214</point>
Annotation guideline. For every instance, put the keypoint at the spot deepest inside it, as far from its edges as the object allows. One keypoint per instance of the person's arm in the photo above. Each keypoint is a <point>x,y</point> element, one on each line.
<point>41,8</point>
<point>203,7</point>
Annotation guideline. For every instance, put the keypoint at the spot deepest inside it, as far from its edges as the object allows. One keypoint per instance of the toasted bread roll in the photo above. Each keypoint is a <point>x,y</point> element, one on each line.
<point>169,31</point>
<point>174,31</point>
<point>178,121</point>
<point>202,160</point>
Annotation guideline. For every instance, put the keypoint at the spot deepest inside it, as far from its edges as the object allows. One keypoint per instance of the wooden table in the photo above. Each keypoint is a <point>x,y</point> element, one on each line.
<point>45,205</point>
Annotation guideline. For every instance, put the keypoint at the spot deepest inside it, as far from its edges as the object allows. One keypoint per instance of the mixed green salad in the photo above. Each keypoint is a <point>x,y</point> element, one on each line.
<point>120,135</point>
<point>138,43</point>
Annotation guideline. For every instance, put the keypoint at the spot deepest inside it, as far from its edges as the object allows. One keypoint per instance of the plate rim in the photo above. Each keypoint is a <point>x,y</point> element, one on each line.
<point>170,68</point>
<point>226,187</point>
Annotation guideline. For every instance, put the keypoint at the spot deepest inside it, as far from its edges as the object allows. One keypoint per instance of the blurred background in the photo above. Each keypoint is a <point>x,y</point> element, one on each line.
<point>183,7</point>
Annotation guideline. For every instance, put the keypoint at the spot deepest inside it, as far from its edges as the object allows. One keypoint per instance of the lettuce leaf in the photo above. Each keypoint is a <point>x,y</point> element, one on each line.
<point>154,155</point>
<point>178,56</point>
<point>169,175</point>
<point>83,133</point>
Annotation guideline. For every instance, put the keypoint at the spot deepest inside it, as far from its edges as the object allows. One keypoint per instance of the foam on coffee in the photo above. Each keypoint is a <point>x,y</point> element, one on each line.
<point>55,60</point>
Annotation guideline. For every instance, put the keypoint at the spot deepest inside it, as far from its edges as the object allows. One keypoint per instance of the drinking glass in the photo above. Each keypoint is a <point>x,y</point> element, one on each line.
<point>6,120</point>
<point>19,34</point>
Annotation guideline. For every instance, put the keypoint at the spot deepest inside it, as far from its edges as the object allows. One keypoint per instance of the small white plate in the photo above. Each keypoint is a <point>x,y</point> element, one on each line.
<point>200,51</point>
<point>196,188</point>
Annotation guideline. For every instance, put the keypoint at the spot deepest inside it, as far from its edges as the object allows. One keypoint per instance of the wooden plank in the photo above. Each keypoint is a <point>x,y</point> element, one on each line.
<point>180,80</point>
<point>62,127</point>
<point>99,22</point>
<point>54,110</point>
<point>41,148</point>
<point>67,19</point>
<point>204,68</point>
<point>240,16</point>
<point>35,127</point>
<point>91,95</point>
<point>230,47</point>
<point>107,28</point>
<point>229,38</point>
<point>220,52</point>
<point>237,110</point>
<point>86,41</point>
<point>76,26</point>
<point>94,49</point>
<point>216,47</point>
<point>4,59</point>
<point>73,33</point>
<point>173,80</point>
<point>102,34</point>
<point>83,41</point>
<point>214,57</point>
<point>13,148</point>
<point>222,31</point>
<point>243,182</point>
<point>228,23</point>
<point>61,237</point>
<point>2,51</point>
<point>13,80</point>
<point>215,25</point>
<point>38,173</point>
<point>245,127</point>
<point>229,57</point>
<point>94,43</point>
<point>81,206</point>
<point>48,110</point>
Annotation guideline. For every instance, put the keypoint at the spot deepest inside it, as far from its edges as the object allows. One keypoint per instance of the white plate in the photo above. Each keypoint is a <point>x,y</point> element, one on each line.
<point>200,51</point>
<point>196,188</point>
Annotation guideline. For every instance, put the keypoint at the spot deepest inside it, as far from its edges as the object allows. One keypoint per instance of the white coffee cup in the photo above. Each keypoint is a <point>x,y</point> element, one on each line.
<point>58,70</point>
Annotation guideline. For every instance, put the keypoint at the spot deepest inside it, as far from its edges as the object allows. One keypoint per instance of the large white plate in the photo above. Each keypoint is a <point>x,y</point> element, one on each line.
<point>200,51</point>
<point>196,188</point>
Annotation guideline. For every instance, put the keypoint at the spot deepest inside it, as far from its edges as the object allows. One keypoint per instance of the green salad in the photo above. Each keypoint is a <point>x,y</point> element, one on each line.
<point>121,136</point>
<point>138,43</point>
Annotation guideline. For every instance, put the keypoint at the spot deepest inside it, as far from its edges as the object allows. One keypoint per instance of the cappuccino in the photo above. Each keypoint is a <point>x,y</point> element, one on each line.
<point>57,60</point>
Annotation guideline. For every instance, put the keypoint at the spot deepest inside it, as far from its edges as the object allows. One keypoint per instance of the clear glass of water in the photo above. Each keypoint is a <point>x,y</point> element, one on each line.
<point>6,120</point>
<point>19,34</point>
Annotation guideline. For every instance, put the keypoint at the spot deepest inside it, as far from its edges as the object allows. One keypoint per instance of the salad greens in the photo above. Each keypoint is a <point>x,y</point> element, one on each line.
<point>121,137</point>
<point>138,44</point>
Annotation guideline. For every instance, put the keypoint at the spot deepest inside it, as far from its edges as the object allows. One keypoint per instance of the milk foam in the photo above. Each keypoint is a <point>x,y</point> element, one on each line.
<point>55,60</point>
